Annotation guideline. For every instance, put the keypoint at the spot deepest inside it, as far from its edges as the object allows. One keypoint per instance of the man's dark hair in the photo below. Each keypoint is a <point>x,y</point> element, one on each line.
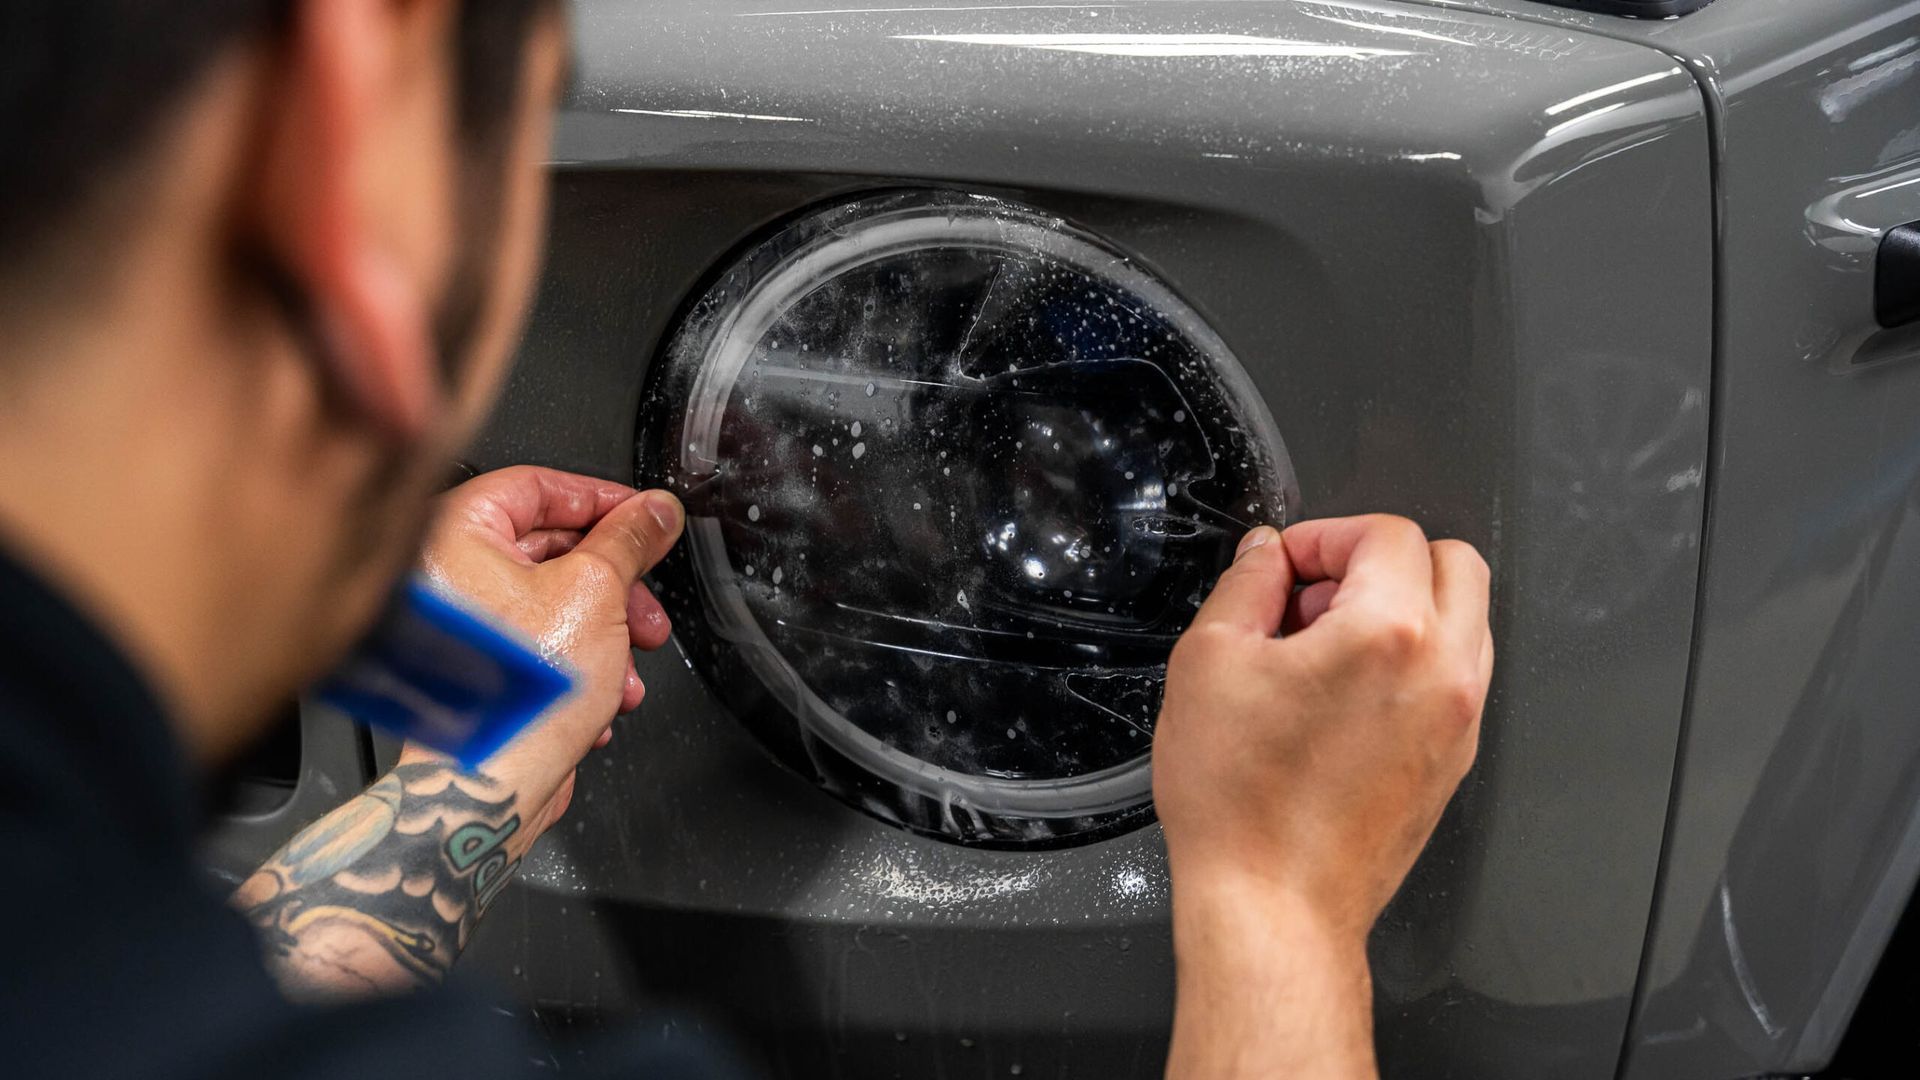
<point>85,85</point>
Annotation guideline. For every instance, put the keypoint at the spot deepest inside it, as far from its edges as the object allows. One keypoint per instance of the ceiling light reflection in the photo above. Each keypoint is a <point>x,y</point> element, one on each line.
<point>1170,45</point>
<point>706,114</point>
<point>1605,91</point>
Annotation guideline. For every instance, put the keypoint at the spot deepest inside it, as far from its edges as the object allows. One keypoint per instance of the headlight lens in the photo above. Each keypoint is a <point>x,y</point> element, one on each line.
<point>958,477</point>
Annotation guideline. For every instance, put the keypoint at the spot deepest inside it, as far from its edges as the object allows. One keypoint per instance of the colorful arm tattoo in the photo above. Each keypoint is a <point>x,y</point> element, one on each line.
<point>383,893</point>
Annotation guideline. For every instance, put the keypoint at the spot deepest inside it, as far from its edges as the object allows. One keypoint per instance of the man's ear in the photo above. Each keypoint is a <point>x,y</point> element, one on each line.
<point>356,196</point>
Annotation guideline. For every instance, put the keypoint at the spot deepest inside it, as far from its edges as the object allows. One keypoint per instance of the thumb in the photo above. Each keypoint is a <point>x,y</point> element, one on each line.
<point>1252,595</point>
<point>636,534</point>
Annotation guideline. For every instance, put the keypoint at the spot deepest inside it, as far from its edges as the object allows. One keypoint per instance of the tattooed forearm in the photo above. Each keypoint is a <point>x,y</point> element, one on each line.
<point>383,893</point>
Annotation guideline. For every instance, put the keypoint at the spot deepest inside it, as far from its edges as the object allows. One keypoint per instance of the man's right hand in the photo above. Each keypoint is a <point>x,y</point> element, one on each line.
<point>1299,776</point>
<point>558,557</point>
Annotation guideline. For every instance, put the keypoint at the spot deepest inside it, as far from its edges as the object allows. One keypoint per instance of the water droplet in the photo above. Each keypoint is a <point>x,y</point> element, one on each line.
<point>778,575</point>
<point>872,389</point>
<point>856,429</point>
<point>962,598</point>
<point>749,569</point>
<point>859,450</point>
<point>916,506</point>
<point>818,450</point>
<point>952,716</point>
<point>1011,734</point>
<point>753,512</point>
<point>1179,416</point>
<point>1129,474</point>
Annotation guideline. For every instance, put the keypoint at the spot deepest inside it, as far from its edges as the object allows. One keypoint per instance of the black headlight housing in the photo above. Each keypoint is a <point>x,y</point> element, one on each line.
<point>958,476</point>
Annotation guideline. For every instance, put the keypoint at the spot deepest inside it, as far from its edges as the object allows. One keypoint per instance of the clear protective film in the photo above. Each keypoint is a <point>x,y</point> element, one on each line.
<point>958,476</point>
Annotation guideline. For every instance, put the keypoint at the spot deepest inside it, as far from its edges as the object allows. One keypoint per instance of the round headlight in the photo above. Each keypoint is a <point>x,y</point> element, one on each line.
<point>958,476</point>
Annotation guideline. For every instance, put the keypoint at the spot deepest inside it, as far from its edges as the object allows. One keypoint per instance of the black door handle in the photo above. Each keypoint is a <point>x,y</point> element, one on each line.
<point>1896,287</point>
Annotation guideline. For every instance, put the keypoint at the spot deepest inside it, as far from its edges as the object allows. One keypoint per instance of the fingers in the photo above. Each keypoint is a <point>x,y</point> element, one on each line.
<point>1252,594</point>
<point>647,622</point>
<point>1381,562</point>
<point>1461,592</point>
<point>1368,555</point>
<point>1308,605</point>
<point>525,498</point>
<point>1380,565</point>
<point>632,691</point>
<point>543,544</point>
<point>636,534</point>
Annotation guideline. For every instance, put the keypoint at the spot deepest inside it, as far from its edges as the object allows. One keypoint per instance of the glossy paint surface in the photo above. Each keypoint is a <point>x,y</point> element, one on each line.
<point>1796,831</point>
<point>1795,839</point>
<point>1392,267</point>
<point>1425,234</point>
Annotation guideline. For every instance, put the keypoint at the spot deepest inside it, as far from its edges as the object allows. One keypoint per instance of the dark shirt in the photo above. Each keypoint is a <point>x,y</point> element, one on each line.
<point>117,958</point>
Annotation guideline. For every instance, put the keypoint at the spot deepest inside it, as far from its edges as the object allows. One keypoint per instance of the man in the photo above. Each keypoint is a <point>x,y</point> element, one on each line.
<point>262,265</point>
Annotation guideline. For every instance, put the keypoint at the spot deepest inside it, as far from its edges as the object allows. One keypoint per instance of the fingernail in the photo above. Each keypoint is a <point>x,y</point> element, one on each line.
<point>665,509</point>
<point>1258,538</point>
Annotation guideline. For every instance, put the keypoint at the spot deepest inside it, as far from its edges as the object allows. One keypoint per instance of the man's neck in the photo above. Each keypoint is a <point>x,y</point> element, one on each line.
<point>143,462</point>
<point>88,503</point>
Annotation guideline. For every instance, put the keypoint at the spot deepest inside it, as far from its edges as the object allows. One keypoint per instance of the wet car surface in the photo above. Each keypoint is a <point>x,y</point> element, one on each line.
<point>1595,293</point>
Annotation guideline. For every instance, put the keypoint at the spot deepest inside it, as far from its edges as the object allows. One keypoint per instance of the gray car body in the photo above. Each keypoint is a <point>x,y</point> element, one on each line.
<point>1593,293</point>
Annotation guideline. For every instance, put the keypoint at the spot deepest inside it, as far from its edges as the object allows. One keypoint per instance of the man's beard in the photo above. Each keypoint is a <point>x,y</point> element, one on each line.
<point>395,504</point>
